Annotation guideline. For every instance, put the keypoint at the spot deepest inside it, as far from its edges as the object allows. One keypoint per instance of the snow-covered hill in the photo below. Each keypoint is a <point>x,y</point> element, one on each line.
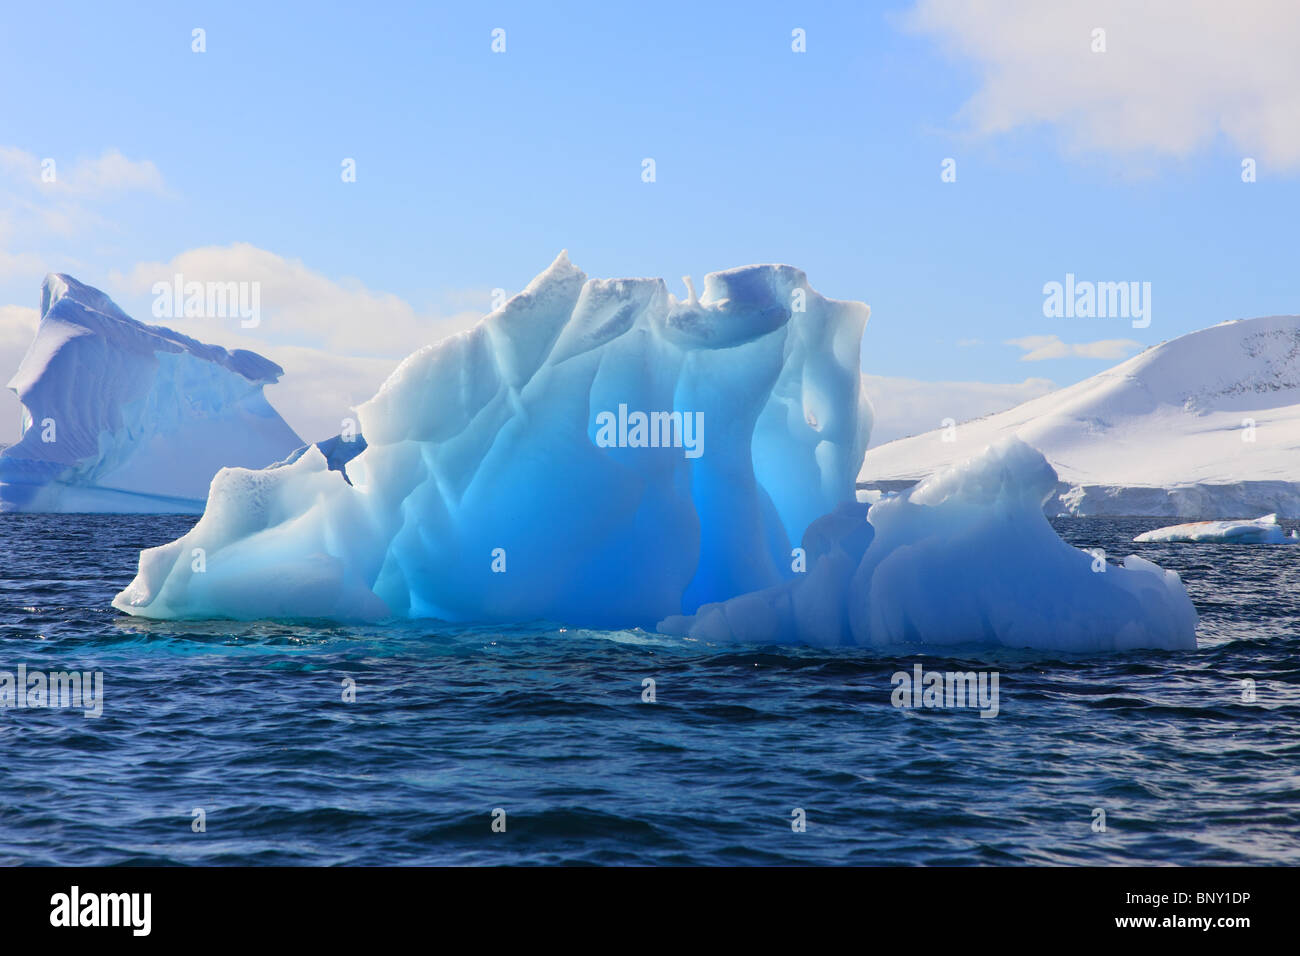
<point>123,416</point>
<point>1206,425</point>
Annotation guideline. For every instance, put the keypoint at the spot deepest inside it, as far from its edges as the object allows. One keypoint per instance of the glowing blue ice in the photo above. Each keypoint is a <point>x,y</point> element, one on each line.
<point>492,486</point>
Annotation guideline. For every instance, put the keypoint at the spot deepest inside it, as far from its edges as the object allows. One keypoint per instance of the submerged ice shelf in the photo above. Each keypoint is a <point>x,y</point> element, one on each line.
<point>601,453</point>
<point>123,416</point>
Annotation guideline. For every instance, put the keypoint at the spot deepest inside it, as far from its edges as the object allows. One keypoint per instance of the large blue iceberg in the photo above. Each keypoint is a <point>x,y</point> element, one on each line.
<point>127,417</point>
<point>601,453</point>
<point>595,452</point>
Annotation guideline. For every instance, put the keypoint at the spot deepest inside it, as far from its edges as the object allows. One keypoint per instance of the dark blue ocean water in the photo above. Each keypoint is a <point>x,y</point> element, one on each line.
<point>247,723</point>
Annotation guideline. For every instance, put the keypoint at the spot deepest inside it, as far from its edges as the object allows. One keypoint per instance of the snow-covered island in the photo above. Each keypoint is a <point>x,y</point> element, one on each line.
<point>602,453</point>
<point>1206,425</point>
<point>120,416</point>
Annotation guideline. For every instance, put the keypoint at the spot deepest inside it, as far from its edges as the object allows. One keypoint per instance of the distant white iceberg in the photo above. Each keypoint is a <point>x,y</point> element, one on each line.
<point>965,557</point>
<point>1265,530</point>
<point>121,416</point>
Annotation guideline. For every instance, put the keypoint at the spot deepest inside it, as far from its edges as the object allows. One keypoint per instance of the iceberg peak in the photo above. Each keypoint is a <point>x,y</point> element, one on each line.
<point>70,308</point>
<point>58,286</point>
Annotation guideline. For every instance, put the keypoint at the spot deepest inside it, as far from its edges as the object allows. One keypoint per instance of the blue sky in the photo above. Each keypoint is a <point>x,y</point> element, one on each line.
<point>475,168</point>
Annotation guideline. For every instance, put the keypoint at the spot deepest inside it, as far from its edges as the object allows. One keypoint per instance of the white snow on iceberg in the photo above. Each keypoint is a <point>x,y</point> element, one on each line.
<point>1263,530</point>
<point>965,557</point>
<point>540,466</point>
<point>127,417</point>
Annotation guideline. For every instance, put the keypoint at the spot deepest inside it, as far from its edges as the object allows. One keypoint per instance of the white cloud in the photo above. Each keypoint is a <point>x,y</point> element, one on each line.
<point>299,307</point>
<point>17,326</point>
<point>1175,73</point>
<point>1040,347</point>
<point>336,340</point>
<point>113,172</point>
<point>20,264</point>
<point>35,213</point>
<point>905,406</point>
<point>318,389</point>
<point>110,172</point>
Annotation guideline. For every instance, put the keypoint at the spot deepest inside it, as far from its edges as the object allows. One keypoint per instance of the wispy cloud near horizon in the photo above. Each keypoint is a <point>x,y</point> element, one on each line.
<point>1038,348</point>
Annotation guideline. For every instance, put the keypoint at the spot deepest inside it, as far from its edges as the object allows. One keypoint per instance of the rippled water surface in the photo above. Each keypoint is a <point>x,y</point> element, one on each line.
<point>247,723</point>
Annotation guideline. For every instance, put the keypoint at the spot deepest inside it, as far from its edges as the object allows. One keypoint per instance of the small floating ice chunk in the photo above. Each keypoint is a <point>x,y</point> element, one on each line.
<point>1263,530</point>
